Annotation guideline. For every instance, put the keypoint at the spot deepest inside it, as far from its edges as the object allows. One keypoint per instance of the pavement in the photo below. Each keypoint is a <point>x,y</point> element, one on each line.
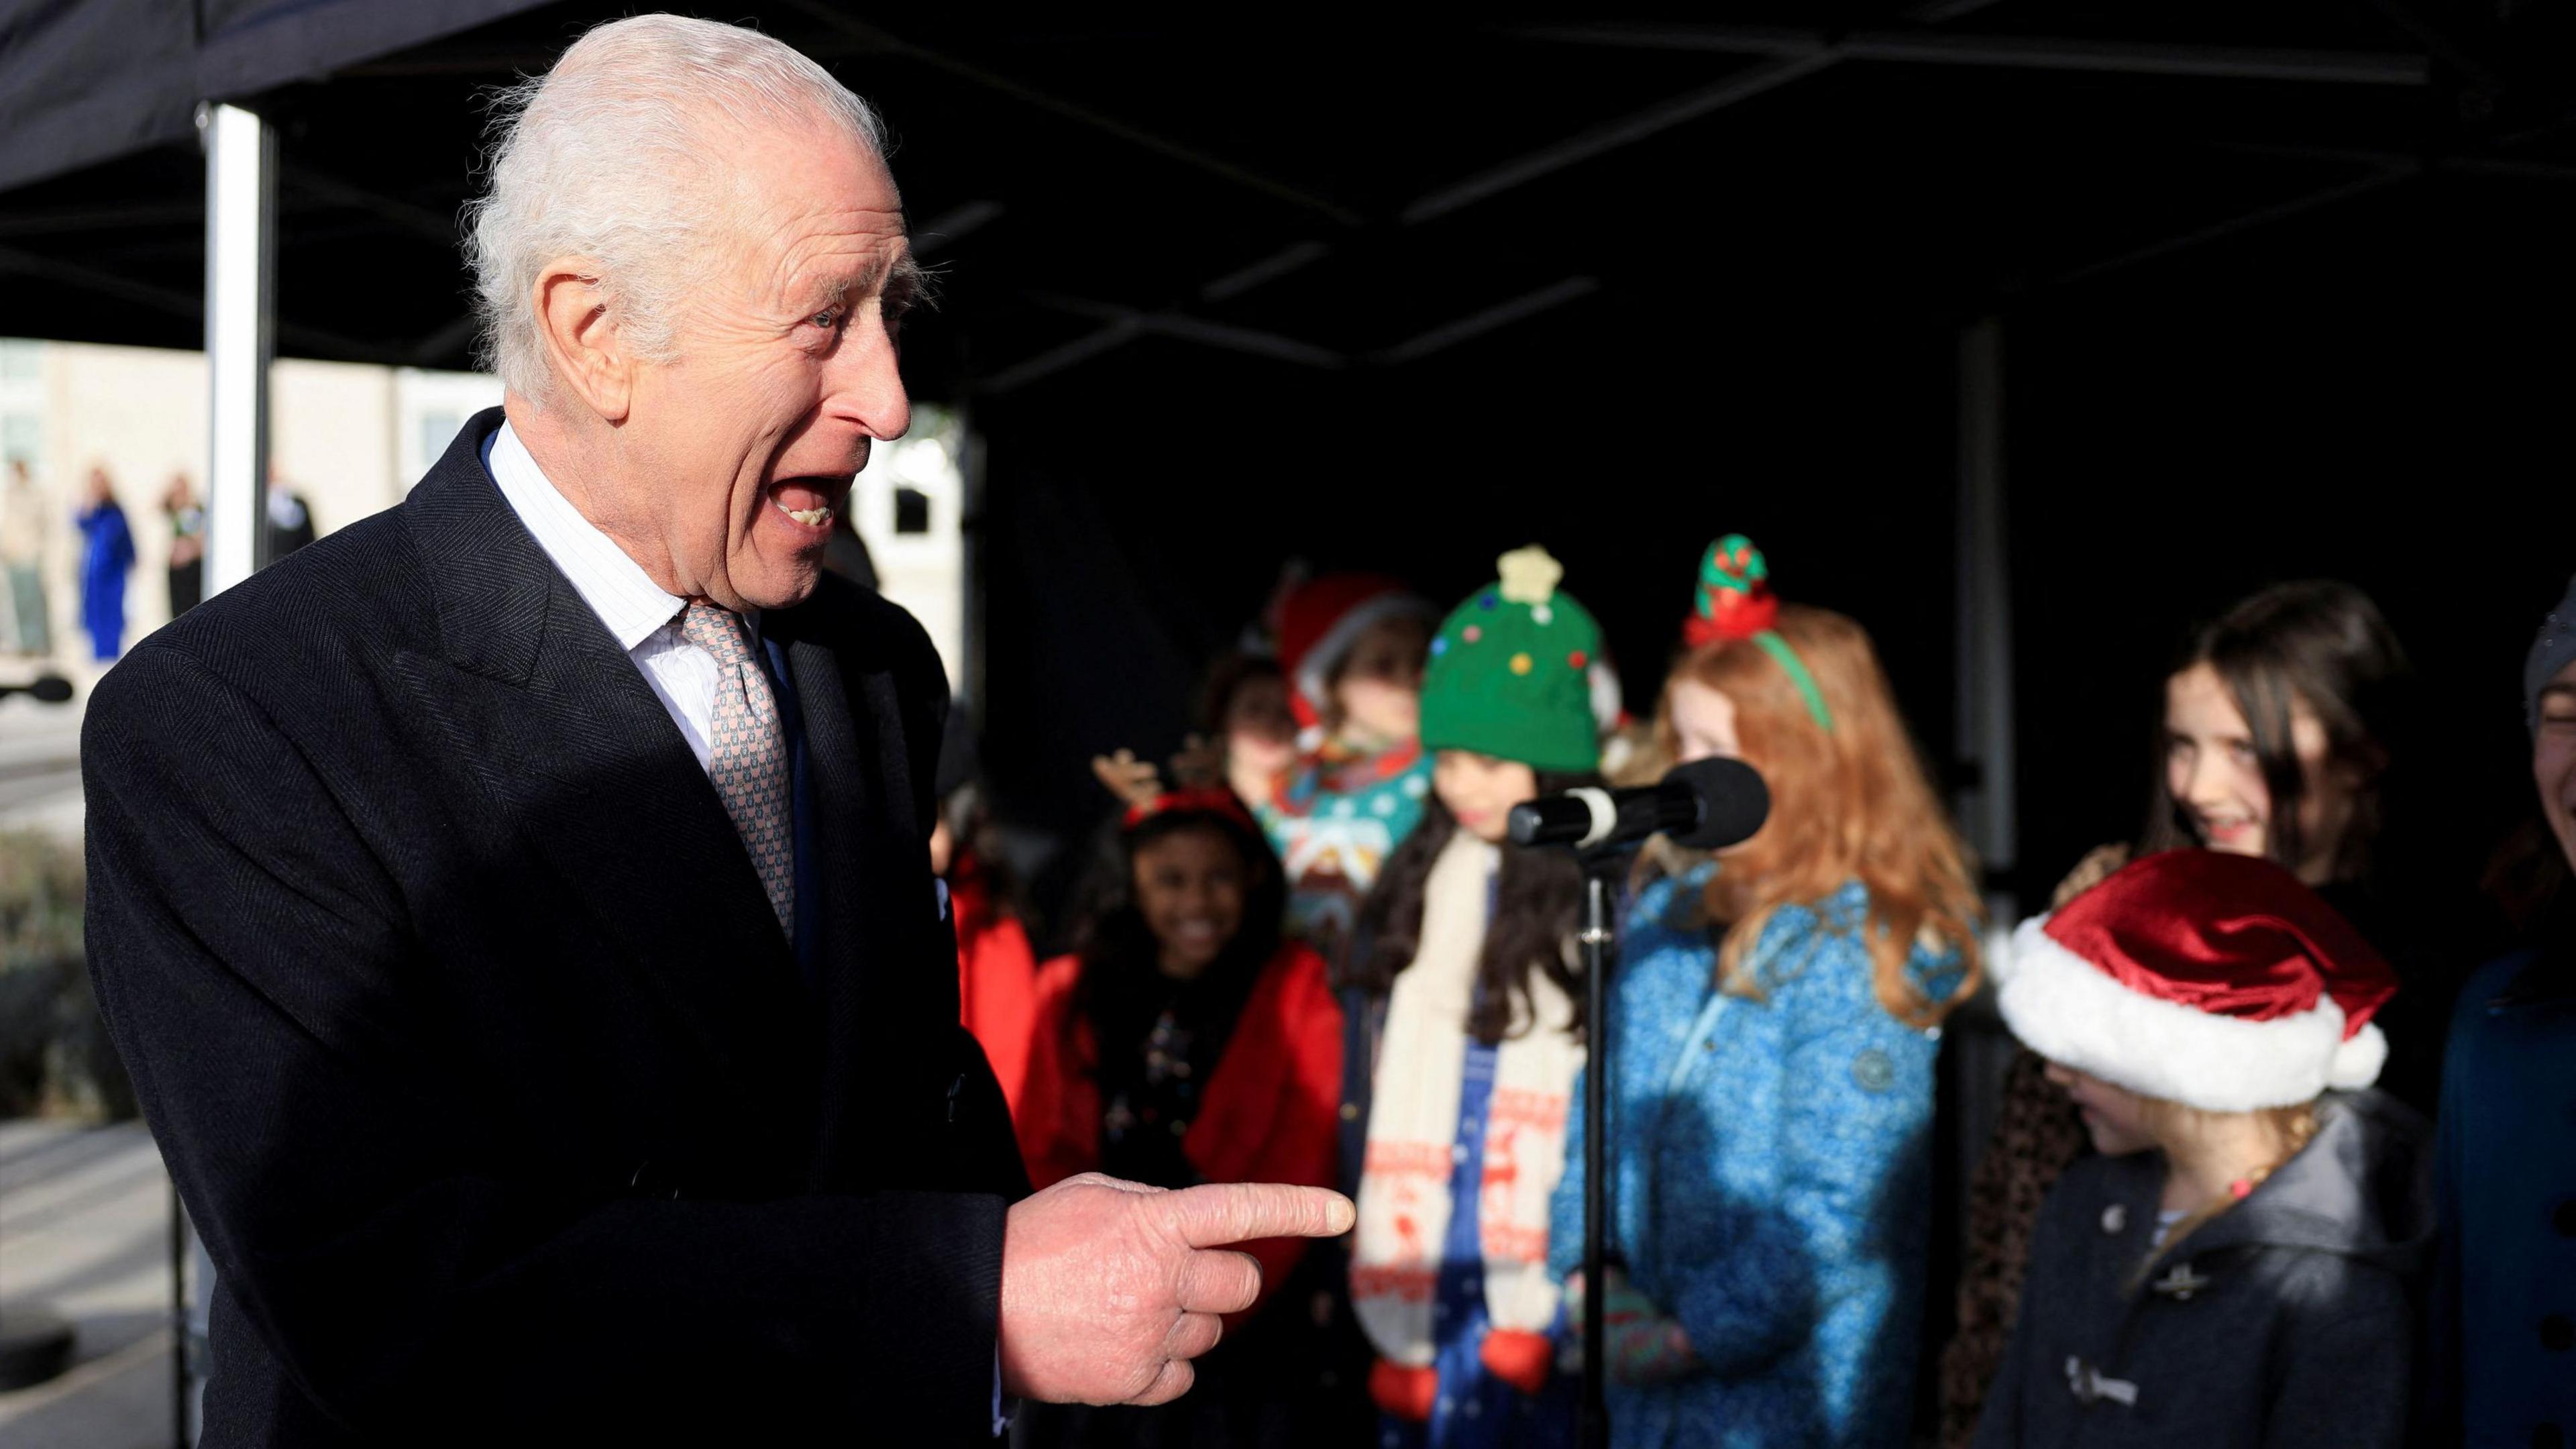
<point>85,1231</point>
<point>84,1211</point>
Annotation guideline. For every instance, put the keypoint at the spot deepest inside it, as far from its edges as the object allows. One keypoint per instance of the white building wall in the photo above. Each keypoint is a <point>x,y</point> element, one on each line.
<point>331,438</point>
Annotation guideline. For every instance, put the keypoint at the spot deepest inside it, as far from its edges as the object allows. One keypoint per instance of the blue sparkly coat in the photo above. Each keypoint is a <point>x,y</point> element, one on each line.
<point>1770,1176</point>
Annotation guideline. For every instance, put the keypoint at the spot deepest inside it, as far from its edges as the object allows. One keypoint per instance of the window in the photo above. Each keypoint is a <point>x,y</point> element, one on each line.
<point>911,511</point>
<point>22,436</point>
<point>430,409</point>
<point>21,362</point>
<point>438,428</point>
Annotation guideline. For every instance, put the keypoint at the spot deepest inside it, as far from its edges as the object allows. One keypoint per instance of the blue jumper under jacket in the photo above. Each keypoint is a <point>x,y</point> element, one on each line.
<point>1770,1182</point>
<point>2502,1365</point>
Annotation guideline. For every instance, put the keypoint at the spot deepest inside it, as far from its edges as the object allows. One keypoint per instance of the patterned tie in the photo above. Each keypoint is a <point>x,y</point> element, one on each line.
<point>747,754</point>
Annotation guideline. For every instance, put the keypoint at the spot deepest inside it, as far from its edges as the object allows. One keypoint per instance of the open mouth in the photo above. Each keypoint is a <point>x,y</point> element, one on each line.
<point>809,503</point>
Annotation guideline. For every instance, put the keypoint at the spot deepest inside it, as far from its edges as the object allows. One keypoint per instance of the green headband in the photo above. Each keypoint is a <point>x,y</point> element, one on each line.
<point>1778,648</point>
<point>1735,602</point>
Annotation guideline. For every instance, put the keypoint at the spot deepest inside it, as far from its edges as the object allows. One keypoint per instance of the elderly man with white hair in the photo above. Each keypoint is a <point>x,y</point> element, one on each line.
<point>515,909</point>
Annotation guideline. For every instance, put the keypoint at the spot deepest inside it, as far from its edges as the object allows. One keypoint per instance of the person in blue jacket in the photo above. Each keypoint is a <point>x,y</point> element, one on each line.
<point>2502,1341</point>
<point>1770,1041</point>
<point>107,556</point>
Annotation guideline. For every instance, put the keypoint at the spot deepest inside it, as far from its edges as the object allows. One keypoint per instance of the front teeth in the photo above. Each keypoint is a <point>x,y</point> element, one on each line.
<point>810,517</point>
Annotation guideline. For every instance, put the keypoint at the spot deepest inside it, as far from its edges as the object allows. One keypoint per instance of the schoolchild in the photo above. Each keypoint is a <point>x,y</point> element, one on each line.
<point>1243,723</point>
<point>1352,646</point>
<point>1467,1034</point>
<point>1770,1045</point>
<point>1187,1042</point>
<point>2237,1264</point>
<point>2284,724</point>
<point>2502,1362</point>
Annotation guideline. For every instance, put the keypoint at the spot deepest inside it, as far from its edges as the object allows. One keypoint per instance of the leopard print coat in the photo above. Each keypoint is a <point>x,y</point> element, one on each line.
<point>2036,1135</point>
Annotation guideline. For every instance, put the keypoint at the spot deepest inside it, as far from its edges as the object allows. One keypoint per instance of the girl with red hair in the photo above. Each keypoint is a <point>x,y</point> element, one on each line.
<point>1771,1036</point>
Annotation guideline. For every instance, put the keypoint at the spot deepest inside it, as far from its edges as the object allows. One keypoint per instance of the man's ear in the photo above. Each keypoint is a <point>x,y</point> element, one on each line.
<point>583,342</point>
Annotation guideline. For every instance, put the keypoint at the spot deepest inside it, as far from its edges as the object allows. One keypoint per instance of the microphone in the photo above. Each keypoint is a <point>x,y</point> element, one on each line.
<point>1704,805</point>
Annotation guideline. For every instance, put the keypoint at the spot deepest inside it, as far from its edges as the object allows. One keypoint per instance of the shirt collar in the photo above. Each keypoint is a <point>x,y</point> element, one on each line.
<point>615,586</point>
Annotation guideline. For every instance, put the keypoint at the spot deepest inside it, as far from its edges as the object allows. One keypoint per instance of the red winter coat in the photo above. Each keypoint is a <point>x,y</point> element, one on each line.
<point>996,981</point>
<point>1268,1114</point>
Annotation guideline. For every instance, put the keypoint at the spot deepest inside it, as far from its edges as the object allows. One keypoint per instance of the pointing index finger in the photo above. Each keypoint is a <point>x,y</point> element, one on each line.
<point>1221,1213</point>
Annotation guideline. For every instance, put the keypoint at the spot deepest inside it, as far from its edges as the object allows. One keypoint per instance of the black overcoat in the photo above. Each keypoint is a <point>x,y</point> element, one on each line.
<point>502,1103</point>
<point>2286,1322</point>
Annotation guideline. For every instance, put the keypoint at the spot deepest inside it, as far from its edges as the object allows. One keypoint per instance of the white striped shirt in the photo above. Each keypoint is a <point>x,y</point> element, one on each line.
<point>644,619</point>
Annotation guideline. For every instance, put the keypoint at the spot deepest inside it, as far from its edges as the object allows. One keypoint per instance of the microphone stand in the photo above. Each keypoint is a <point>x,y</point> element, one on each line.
<point>1602,867</point>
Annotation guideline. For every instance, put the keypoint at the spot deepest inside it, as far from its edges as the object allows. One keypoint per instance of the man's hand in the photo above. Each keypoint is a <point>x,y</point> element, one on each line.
<point>1110,1288</point>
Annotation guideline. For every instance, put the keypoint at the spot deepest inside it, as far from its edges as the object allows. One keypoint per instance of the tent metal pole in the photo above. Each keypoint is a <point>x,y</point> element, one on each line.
<point>241,269</point>
<point>241,324</point>
<point>1976,1057</point>
<point>1985,719</point>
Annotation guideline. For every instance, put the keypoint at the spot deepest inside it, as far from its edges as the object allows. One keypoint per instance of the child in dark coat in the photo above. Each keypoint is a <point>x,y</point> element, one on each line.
<point>2237,1266</point>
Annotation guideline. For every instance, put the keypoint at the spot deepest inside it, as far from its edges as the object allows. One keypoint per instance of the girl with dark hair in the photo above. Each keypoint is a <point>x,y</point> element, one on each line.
<point>1467,1035</point>
<point>1772,1032</point>
<point>1185,1042</point>
<point>2282,721</point>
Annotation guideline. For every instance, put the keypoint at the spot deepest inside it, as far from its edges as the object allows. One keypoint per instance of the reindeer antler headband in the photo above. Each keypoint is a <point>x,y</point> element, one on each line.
<point>1139,784</point>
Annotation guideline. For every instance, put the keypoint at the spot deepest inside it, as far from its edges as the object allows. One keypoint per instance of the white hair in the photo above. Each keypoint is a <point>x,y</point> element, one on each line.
<point>619,154</point>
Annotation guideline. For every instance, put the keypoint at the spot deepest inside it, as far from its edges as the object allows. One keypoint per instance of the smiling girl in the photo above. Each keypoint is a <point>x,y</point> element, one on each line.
<point>1468,1035</point>
<point>2279,727</point>
<point>1186,1042</point>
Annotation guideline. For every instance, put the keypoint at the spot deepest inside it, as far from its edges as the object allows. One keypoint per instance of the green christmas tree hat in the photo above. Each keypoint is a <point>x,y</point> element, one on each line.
<point>1510,673</point>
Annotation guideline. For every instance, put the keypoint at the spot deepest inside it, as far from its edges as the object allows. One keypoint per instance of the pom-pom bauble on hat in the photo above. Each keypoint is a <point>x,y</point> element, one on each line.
<point>2213,980</point>
<point>1510,673</point>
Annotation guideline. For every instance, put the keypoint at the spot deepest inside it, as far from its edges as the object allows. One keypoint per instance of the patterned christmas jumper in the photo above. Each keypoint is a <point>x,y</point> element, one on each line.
<point>1334,821</point>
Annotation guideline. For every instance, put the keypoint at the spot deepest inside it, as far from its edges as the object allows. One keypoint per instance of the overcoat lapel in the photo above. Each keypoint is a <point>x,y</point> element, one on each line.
<point>583,759</point>
<point>856,750</point>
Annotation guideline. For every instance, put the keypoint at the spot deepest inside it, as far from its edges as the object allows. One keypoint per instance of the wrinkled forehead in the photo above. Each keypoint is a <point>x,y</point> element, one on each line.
<point>809,201</point>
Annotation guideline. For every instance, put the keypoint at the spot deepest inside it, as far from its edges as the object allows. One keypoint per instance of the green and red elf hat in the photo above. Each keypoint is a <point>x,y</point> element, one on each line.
<point>1735,603</point>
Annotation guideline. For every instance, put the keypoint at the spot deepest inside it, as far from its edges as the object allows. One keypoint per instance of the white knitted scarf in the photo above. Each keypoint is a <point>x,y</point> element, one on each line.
<point>1413,1127</point>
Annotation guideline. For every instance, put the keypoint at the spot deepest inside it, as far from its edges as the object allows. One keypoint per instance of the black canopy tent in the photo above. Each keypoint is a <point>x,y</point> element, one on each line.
<point>1225,291</point>
<point>86,83</point>
<point>2275,291</point>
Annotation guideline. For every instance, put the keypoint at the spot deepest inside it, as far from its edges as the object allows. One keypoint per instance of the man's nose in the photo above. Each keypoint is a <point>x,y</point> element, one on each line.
<point>863,383</point>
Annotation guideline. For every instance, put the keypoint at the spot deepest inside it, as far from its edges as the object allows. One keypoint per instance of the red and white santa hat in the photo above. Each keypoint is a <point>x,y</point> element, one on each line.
<point>1319,621</point>
<point>2214,980</point>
